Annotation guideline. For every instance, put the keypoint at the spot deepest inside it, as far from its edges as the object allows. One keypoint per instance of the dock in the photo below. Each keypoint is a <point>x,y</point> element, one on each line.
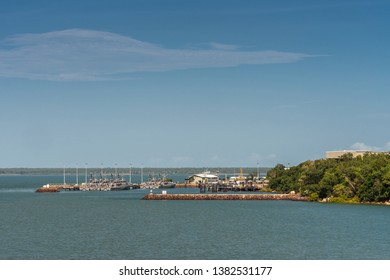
<point>93,186</point>
<point>57,188</point>
<point>293,197</point>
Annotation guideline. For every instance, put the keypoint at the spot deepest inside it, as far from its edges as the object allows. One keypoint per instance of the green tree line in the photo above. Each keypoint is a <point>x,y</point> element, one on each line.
<point>345,179</point>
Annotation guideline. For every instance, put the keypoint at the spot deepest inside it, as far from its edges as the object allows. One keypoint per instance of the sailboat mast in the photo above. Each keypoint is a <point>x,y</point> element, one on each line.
<point>86,172</point>
<point>77,175</point>
<point>142,173</point>
<point>64,176</point>
<point>130,173</point>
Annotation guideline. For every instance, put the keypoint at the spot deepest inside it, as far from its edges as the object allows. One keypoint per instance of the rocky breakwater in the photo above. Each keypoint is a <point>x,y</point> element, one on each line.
<point>57,188</point>
<point>49,188</point>
<point>294,197</point>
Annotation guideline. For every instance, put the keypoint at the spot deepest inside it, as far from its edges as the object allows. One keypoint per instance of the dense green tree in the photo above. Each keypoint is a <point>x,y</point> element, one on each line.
<point>363,178</point>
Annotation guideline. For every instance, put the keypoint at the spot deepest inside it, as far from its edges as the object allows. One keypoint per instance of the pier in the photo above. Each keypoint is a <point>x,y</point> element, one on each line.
<point>57,188</point>
<point>293,197</point>
<point>223,187</point>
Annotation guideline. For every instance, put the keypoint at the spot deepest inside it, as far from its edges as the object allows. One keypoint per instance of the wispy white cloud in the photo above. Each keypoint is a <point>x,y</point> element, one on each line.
<point>224,47</point>
<point>364,147</point>
<point>79,54</point>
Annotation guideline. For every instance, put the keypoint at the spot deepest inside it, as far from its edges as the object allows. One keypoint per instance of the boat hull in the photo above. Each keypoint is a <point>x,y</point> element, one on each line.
<point>167,186</point>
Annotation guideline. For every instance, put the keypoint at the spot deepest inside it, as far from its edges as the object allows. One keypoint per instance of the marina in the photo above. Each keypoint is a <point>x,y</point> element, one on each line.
<point>93,185</point>
<point>204,181</point>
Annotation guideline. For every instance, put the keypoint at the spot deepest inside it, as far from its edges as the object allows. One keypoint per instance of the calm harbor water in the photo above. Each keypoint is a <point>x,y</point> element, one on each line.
<point>120,225</point>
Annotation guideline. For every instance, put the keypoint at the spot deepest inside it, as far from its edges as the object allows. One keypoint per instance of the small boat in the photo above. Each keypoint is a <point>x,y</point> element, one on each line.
<point>160,183</point>
<point>120,188</point>
<point>167,185</point>
<point>151,184</point>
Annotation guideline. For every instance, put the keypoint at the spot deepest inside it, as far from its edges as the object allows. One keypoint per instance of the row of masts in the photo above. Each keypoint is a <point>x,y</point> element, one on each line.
<point>101,173</point>
<point>116,172</point>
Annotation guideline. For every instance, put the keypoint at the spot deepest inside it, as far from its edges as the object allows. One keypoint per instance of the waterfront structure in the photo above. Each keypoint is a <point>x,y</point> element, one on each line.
<point>165,196</point>
<point>202,178</point>
<point>355,153</point>
<point>239,181</point>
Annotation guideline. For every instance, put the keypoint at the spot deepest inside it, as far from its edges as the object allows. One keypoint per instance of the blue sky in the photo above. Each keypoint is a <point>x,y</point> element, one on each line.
<point>191,83</point>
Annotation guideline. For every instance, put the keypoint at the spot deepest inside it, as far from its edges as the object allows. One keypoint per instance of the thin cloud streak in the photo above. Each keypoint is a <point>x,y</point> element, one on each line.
<point>79,54</point>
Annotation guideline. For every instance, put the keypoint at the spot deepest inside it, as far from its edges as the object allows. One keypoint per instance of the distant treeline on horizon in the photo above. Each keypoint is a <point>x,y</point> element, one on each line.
<point>134,170</point>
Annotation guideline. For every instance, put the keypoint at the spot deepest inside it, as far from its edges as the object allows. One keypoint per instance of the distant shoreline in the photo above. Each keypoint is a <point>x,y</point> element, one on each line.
<point>135,170</point>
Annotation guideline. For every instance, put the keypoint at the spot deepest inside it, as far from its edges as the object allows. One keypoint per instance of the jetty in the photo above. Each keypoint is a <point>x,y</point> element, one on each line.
<point>57,188</point>
<point>99,186</point>
<point>291,196</point>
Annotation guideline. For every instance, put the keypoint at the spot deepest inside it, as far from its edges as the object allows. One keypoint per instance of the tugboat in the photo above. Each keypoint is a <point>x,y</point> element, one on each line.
<point>150,184</point>
<point>120,187</point>
<point>160,183</point>
<point>167,185</point>
<point>120,184</point>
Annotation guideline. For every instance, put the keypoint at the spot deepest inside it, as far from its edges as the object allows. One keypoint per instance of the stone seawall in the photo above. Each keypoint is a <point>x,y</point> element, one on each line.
<point>294,197</point>
<point>48,189</point>
<point>57,188</point>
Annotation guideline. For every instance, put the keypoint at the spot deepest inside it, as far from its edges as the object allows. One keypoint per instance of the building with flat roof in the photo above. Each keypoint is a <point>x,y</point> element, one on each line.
<point>205,177</point>
<point>355,153</point>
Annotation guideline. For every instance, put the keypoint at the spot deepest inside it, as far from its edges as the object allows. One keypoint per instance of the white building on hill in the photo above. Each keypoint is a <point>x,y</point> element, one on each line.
<point>355,153</point>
